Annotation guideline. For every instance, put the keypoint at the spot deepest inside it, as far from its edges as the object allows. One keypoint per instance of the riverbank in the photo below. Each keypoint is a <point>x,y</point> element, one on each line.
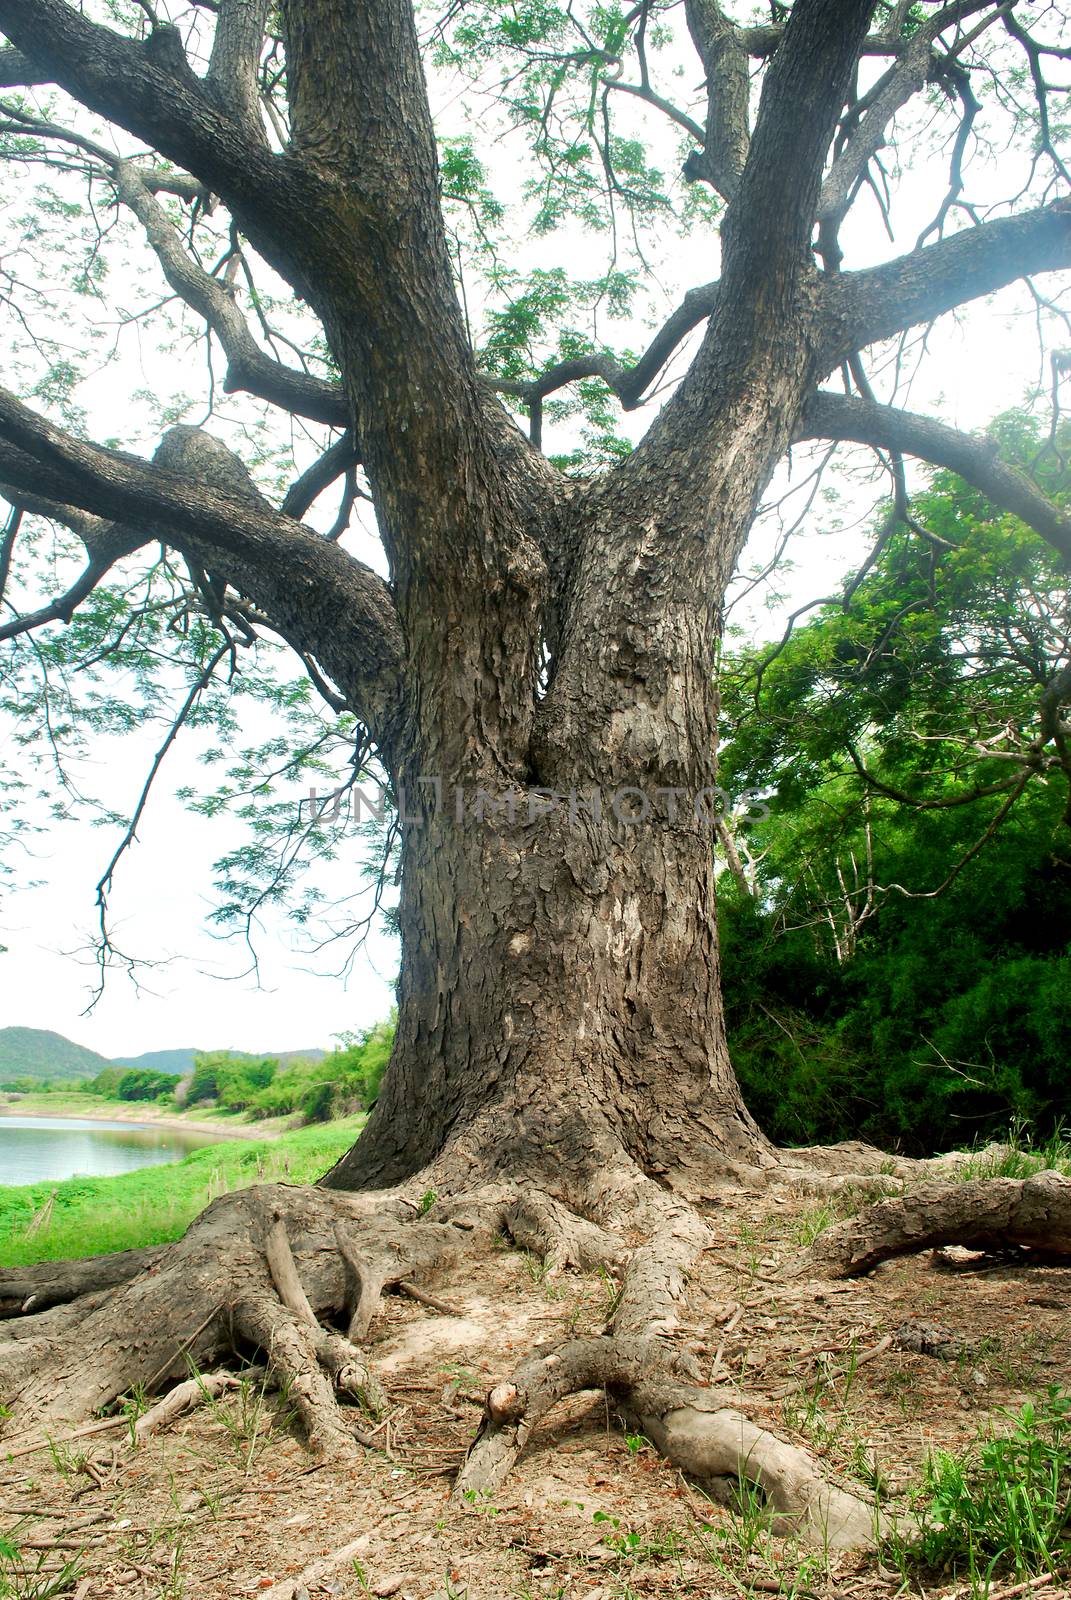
<point>142,1113</point>
<point>95,1216</point>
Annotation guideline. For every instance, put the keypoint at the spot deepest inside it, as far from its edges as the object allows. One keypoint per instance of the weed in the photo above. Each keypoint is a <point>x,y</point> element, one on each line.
<point>660,1544</point>
<point>611,1289</point>
<point>67,1462</point>
<point>23,1577</point>
<point>427,1200</point>
<point>479,1499</point>
<point>809,1224</point>
<point>244,1416</point>
<point>1006,1506</point>
<point>1016,1157</point>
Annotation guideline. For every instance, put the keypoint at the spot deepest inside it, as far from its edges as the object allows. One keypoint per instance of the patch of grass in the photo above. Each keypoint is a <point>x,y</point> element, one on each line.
<point>1016,1157</point>
<point>837,1207</point>
<point>95,1216</point>
<point>1005,1507</point>
<point>25,1576</point>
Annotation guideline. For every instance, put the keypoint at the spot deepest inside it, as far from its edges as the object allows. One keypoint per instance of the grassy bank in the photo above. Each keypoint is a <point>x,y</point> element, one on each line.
<point>95,1108</point>
<point>91,1216</point>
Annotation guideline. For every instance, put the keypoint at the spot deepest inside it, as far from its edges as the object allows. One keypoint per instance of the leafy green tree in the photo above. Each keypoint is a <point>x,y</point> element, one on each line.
<point>538,621</point>
<point>902,942</point>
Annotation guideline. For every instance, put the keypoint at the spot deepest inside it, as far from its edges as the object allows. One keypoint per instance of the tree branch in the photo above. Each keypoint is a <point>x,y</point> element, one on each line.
<point>880,302</point>
<point>149,89</point>
<point>768,225</point>
<point>233,67</point>
<point>725,144</point>
<point>18,71</point>
<point>833,416</point>
<point>895,89</point>
<point>197,496</point>
<point>249,368</point>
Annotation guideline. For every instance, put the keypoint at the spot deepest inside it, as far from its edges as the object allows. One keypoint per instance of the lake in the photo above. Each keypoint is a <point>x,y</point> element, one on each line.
<point>36,1149</point>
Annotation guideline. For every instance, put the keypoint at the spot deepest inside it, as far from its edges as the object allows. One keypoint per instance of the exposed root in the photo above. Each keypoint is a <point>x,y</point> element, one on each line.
<point>706,1440</point>
<point>986,1214</point>
<point>538,1222</point>
<point>279,1269</point>
<point>235,1277</point>
<point>26,1291</point>
<point>657,1384</point>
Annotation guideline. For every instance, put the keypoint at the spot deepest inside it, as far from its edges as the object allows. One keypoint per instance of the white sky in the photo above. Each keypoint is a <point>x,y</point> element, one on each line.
<point>982,363</point>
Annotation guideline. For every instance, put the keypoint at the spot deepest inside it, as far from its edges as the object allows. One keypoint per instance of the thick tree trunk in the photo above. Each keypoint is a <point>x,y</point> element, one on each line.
<point>559,1003</point>
<point>559,996</point>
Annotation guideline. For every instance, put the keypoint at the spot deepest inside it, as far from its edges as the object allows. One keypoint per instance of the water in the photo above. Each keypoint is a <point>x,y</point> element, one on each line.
<point>33,1149</point>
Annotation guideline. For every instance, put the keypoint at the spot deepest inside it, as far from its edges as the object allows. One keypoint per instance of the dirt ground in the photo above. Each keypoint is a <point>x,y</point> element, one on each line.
<point>229,1503</point>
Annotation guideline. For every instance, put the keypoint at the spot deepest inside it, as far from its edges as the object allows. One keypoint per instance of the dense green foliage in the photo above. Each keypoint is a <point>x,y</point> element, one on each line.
<point>344,1081</point>
<point>898,966</point>
<point>124,1083</point>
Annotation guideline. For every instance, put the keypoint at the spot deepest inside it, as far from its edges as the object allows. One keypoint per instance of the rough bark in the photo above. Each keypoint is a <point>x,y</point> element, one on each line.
<point>986,1214</point>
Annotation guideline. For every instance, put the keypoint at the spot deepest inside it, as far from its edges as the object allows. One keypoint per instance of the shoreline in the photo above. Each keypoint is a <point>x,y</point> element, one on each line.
<point>118,1113</point>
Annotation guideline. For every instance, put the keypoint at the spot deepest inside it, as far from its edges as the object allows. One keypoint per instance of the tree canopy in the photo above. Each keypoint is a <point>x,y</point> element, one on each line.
<point>165,166</point>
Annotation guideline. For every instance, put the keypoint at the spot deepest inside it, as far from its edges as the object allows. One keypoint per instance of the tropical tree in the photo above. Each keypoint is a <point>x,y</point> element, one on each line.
<point>895,941</point>
<point>534,670</point>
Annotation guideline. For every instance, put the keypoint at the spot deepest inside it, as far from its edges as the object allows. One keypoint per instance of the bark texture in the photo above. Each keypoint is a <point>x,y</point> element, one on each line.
<point>986,1214</point>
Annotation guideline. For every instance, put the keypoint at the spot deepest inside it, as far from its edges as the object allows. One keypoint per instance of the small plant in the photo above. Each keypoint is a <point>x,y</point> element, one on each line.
<point>663,1544</point>
<point>67,1462</point>
<point>362,1577</point>
<point>480,1500</point>
<point>1016,1157</point>
<point>135,1405</point>
<point>1007,1506</point>
<point>427,1200</point>
<point>811,1223</point>
<point>23,1578</point>
<point>634,1443</point>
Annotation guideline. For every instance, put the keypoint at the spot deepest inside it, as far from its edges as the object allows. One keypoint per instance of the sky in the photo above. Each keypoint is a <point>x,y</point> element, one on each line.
<point>198,990</point>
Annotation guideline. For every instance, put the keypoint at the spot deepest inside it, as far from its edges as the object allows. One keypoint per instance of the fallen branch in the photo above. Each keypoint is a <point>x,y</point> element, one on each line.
<point>185,1396</point>
<point>424,1299</point>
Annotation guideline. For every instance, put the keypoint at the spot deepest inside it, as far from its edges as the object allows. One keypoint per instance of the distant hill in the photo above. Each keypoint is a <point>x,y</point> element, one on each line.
<point>181,1061</point>
<point>38,1053</point>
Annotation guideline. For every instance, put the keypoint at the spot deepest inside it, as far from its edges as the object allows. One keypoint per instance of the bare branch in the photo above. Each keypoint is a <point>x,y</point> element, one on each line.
<point>894,90</point>
<point>834,416</point>
<point>150,89</point>
<point>880,302</point>
<point>198,496</point>
<point>249,368</point>
<point>335,461</point>
<point>233,69</point>
<point>725,141</point>
<point>768,226</point>
<point>19,72</point>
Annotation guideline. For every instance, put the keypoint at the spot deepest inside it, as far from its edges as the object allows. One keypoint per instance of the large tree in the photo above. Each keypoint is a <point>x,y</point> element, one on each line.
<point>544,640</point>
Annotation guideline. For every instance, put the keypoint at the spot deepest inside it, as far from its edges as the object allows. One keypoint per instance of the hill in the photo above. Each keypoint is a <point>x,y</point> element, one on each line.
<point>39,1053</point>
<point>181,1061</point>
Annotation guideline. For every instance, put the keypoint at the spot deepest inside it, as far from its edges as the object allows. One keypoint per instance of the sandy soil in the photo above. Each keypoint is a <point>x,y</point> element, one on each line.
<point>229,1503</point>
<point>141,1115</point>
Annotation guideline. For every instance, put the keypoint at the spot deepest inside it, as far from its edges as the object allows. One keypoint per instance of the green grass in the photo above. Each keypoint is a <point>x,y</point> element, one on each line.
<point>93,1216</point>
<point>1005,1508</point>
<point>1016,1157</point>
